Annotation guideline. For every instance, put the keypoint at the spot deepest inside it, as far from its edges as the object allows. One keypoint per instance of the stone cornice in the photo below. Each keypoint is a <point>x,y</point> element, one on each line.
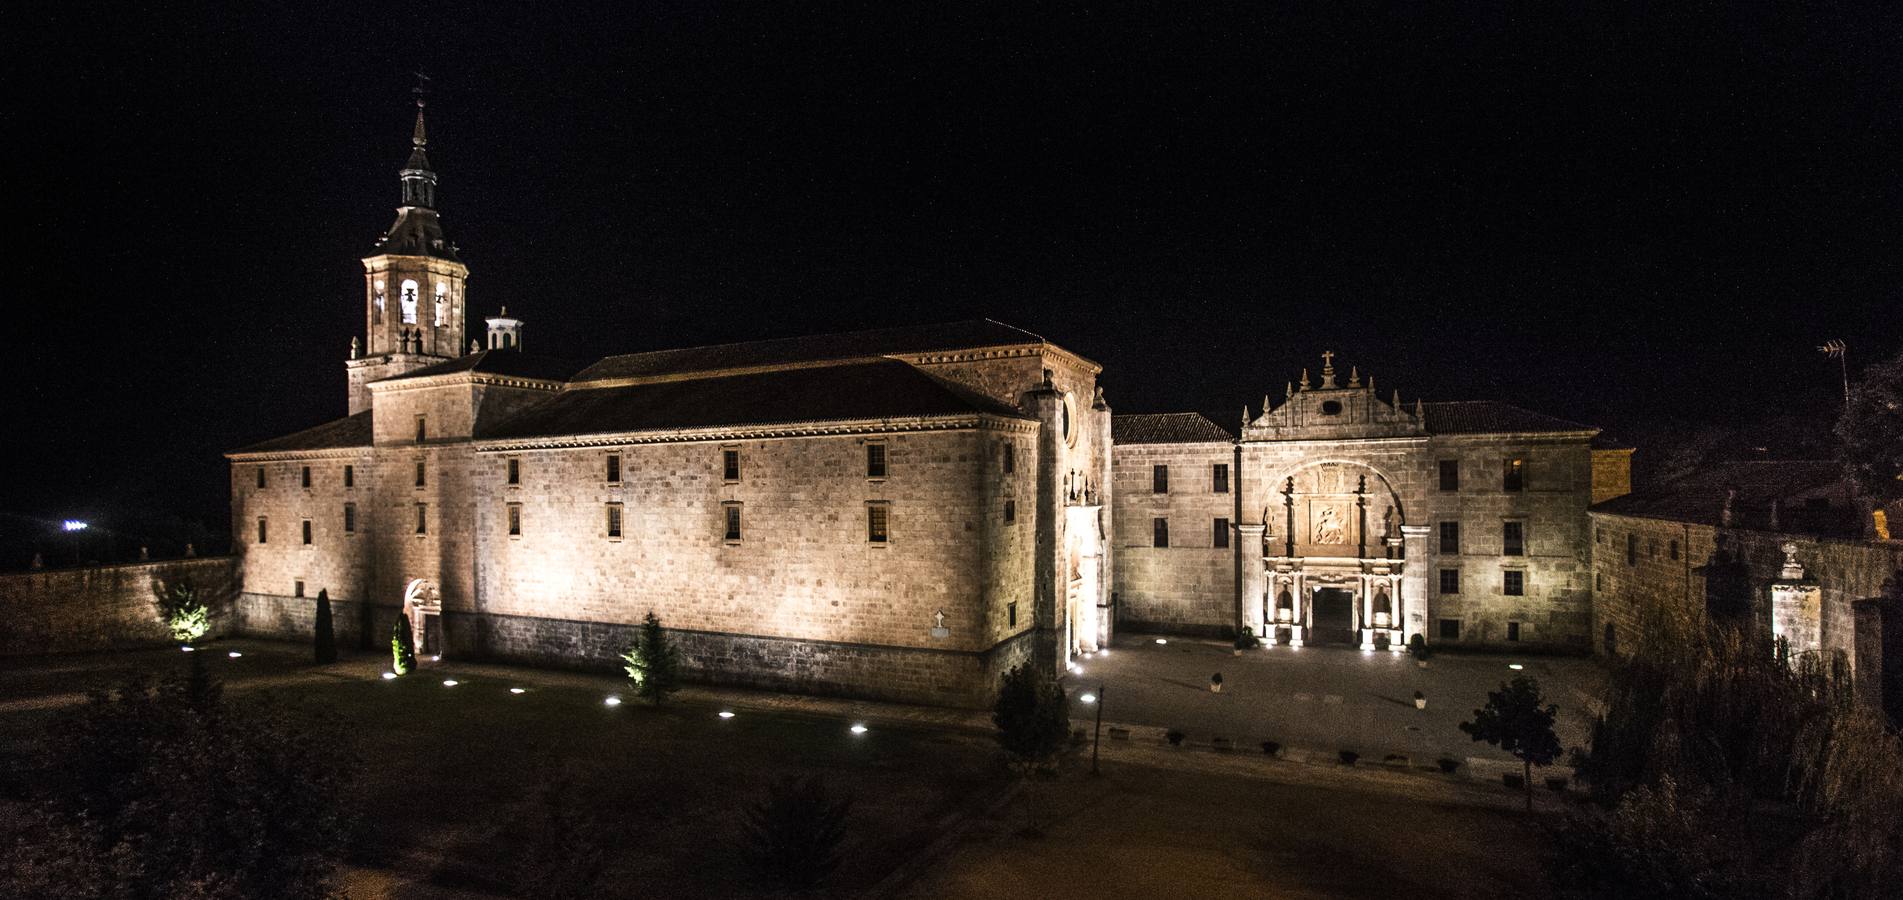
<point>434,264</point>
<point>450,379</point>
<point>977,421</point>
<point>277,455</point>
<point>1012,351</point>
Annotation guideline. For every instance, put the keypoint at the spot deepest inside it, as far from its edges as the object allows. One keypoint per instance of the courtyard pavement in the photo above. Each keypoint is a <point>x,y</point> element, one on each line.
<point>1322,699</point>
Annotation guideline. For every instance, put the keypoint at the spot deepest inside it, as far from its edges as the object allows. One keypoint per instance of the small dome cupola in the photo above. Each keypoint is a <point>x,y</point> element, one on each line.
<point>505,331</point>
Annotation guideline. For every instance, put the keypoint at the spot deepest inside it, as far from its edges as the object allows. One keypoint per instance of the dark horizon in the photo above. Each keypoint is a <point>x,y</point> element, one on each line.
<point>1628,218</point>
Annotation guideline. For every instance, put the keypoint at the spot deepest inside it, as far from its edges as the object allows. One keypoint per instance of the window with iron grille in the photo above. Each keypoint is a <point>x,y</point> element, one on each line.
<point>730,465</point>
<point>1515,585</point>
<point>875,460</point>
<point>1450,581</point>
<point>876,523</point>
<point>1450,538</point>
<point>1159,532</point>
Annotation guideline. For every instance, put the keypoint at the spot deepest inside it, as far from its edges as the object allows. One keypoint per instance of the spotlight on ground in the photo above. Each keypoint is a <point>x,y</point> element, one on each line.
<point>188,649</point>
<point>612,701</point>
<point>1087,698</point>
<point>517,691</point>
<point>234,654</point>
<point>450,682</point>
<point>1515,666</point>
<point>1162,640</point>
<point>389,676</point>
<point>726,714</point>
<point>858,728</point>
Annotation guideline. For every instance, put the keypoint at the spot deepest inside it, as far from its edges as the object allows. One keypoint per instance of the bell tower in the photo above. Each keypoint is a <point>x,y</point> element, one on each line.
<point>413,284</point>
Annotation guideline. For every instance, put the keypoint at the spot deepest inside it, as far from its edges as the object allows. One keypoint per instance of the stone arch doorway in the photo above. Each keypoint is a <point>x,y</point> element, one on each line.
<point>423,605</point>
<point>1334,617</point>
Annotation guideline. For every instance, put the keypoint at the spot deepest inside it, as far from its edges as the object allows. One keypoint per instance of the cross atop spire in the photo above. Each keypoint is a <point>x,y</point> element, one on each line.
<point>1328,368</point>
<point>419,180</point>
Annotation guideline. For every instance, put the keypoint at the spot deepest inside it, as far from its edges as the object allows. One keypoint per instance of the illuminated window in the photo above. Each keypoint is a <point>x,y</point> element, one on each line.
<point>614,520</point>
<point>376,304</point>
<point>876,522</point>
<point>732,511</point>
<point>875,460</point>
<point>422,518</point>
<point>1010,511</point>
<point>1159,479</point>
<point>1219,478</point>
<point>350,518</point>
<point>307,477</point>
<point>264,530</point>
<point>1221,534</point>
<point>1450,538</point>
<point>614,468</point>
<point>515,519</point>
<point>1515,585</point>
<point>730,465</point>
<point>442,303</point>
<point>419,473</point>
<point>1450,474</point>
<point>407,302</point>
<point>1513,475</point>
<point>1159,532</point>
<point>1010,458</point>
<point>307,532</point>
<point>350,476</point>
<point>514,467</point>
<point>1513,538</point>
<point>1450,581</point>
<point>260,476</point>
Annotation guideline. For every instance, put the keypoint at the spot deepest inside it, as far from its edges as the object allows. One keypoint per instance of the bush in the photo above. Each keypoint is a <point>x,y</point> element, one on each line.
<point>1448,765</point>
<point>402,647</point>
<point>184,611</point>
<point>1032,716</point>
<point>1417,646</point>
<point>791,838</point>
<point>1271,748</point>
<point>1247,640</point>
<point>324,635</point>
<point>652,663</point>
<point>1175,737</point>
<point>1348,757</point>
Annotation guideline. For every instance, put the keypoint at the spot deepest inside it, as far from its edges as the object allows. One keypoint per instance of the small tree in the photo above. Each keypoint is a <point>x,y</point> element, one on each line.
<point>653,664</point>
<point>791,838</point>
<point>402,647</point>
<point>323,632</point>
<point>184,611</point>
<point>1514,721</point>
<point>1033,718</point>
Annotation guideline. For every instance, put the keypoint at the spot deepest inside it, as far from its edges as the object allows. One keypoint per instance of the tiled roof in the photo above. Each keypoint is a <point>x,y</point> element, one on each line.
<point>884,389</point>
<point>1165,428</point>
<point>814,348</point>
<point>1700,497</point>
<point>499,362</point>
<point>349,431</point>
<point>1490,417</point>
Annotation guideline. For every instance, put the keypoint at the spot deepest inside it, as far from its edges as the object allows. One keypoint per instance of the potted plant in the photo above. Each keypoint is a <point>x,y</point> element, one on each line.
<point>1420,700</point>
<point>1417,647</point>
<point>1246,640</point>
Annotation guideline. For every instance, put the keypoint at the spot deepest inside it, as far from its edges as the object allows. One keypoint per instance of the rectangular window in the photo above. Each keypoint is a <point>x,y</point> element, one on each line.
<point>307,477</point>
<point>1220,535</point>
<point>1450,538</point>
<point>307,532</point>
<point>1450,581</point>
<point>515,519</point>
<point>264,530</point>
<point>730,465</point>
<point>1450,629</point>
<point>1159,532</point>
<point>1631,549</point>
<point>514,468</point>
<point>1219,478</point>
<point>1674,549</point>
<point>875,460</point>
<point>1011,614</point>
<point>419,473</point>
<point>875,523</point>
<point>350,518</point>
<point>1450,474</point>
<point>1513,631</point>
<point>1515,585</point>
<point>614,520</point>
<point>422,518</point>
<point>1010,459</point>
<point>614,468</point>
<point>1010,511</point>
<point>421,428</point>
<point>350,476</point>
<point>1513,538</point>
<point>297,588</point>
<point>1513,475</point>
<point>260,476</point>
<point>1159,479</point>
<point>733,521</point>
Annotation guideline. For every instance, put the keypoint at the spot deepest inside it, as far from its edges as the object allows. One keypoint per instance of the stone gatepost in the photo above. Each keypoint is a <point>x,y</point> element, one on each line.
<point>1796,607</point>
<point>1255,588</point>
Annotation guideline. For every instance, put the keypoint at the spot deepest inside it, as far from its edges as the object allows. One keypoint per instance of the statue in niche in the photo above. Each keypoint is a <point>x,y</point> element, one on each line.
<point>1387,523</point>
<point>1328,526</point>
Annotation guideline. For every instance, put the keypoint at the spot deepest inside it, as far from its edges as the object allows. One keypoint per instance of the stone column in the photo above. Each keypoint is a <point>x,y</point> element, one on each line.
<point>1367,613</point>
<point>1254,580</point>
<point>1300,617</point>
<point>1410,603</point>
<point>1045,403</point>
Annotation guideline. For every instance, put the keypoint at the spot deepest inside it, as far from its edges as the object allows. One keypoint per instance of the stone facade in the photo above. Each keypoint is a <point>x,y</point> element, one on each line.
<point>1363,521</point>
<point>104,607</point>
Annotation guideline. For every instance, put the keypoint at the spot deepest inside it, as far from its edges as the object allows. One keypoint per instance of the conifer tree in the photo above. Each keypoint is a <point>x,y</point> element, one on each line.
<point>653,663</point>
<point>324,633</point>
<point>403,647</point>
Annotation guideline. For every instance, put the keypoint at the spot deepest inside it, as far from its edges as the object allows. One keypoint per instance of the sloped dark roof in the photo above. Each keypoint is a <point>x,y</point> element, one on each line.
<point>814,348</point>
<point>417,232</point>
<point>1700,497</point>
<point>349,431</point>
<point>499,362</point>
<point>1165,428</point>
<point>1490,417</point>
<point>885,389</point>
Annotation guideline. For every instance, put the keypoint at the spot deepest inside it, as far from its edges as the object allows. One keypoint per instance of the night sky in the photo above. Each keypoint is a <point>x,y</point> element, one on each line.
<point>1621,216</point>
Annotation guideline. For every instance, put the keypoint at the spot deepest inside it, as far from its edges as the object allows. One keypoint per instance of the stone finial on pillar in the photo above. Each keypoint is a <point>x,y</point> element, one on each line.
<point>145,553</point>
<point>356,348</point>
<point>1096,399</point>
<point>1328,368</point>
<point>190,551</point>
<point>1370,384</point>
<point>1290,393</point>
<point>1305,384</point>
<point>1728,513</point>
<point>475,346</point>
<point>39,561</point>
<point>1245,415</point>
<point>1791,569</point>
<point>1354,376</point>
<point>1420,411</point>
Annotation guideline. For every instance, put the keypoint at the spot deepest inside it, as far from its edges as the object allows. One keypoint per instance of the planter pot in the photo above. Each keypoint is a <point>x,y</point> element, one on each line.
<point>1271,748</point>
<point>1238,651</point>
<point>1420,703</point>
<point>1421,662</point>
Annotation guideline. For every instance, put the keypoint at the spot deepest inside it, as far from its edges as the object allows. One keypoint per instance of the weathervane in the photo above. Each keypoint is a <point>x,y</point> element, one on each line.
<point>421,90</point>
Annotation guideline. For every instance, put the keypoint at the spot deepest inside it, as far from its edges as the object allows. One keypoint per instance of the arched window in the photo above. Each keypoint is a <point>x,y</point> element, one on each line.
<point>442,303</point>
<point>376,305</point>
<point>407,302</point>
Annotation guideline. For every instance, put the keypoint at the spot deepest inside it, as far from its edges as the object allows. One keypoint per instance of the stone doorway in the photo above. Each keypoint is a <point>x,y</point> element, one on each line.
<point>1334,617</point>
<point>423,606</point>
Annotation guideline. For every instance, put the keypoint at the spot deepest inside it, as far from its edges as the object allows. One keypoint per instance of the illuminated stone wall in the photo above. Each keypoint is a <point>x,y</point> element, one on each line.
<point>1189,586</point>
<point>102,607</point>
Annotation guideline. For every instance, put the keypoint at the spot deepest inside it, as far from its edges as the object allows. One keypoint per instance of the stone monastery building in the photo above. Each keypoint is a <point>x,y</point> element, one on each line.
<point>901,513</point>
